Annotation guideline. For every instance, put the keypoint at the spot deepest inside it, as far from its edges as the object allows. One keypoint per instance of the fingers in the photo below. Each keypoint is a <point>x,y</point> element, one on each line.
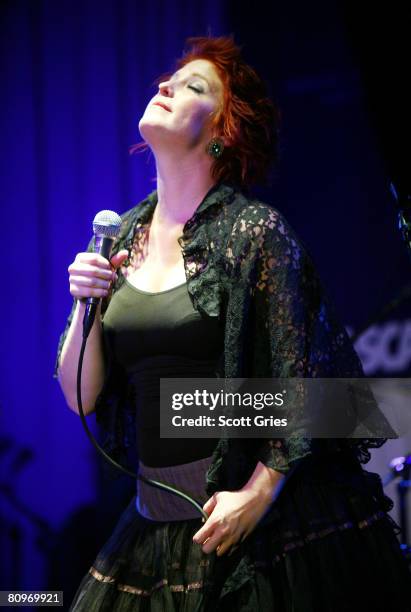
<point>205,531</point>
<point>231,544</point>
<point>221,540</point>
<point>119,258</point>
<point>211,543</point>
<point>94,259</point>
<point>227,545</point>
<point>214,533</point>
<point>87,270</point>
<point>210,504</point>
<point>91,275</point>
<point>81,286</point>
<point>221,532</point>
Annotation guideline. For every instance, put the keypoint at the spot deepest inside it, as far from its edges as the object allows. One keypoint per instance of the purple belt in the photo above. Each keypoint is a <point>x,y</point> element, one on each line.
<point>160,505</point>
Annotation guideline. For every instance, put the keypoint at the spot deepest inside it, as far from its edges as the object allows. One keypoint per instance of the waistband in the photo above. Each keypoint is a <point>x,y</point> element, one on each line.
<point>160,505</point>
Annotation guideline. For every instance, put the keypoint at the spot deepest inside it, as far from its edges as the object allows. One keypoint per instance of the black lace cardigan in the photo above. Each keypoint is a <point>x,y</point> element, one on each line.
<point>244,264</point>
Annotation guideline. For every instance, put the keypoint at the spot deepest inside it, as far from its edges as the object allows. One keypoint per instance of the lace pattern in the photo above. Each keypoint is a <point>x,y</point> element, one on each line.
<point>244,264</point>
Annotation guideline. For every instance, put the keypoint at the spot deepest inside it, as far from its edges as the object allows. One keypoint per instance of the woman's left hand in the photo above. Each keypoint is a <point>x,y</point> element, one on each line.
<point>232,517</point>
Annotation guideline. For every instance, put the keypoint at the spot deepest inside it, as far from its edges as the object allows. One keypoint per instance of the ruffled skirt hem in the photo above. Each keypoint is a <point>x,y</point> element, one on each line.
<point>327,544</point>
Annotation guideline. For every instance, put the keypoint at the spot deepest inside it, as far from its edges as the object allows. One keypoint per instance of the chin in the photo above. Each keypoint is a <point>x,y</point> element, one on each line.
<point>147,132</point>
<point>156,135</point>
<point>146,125</point>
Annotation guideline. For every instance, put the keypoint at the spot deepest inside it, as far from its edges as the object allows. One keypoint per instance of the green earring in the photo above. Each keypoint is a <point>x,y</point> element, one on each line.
<point>215,148</point>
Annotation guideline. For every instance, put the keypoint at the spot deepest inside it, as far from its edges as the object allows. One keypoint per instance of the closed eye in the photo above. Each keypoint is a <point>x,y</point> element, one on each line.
<point>196,89</point>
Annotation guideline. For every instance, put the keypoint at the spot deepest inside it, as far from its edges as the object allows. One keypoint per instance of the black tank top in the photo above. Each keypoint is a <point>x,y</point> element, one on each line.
<point>155,335</point>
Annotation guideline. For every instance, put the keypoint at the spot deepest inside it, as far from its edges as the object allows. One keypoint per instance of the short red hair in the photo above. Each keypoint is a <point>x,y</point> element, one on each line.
<point>248,120</point>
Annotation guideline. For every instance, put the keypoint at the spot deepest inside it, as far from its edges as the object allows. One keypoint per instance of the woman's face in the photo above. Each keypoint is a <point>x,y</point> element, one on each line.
<point>180,114</point>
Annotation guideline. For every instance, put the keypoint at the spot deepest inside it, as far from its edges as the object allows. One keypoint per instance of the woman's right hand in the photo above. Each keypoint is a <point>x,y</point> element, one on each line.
<point>91,274</point>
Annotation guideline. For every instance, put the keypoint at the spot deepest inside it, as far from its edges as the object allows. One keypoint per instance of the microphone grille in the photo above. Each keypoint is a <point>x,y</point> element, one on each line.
<point>107,223</point>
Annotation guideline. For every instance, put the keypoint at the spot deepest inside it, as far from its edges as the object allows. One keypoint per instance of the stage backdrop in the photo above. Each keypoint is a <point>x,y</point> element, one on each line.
<point>75,79</point>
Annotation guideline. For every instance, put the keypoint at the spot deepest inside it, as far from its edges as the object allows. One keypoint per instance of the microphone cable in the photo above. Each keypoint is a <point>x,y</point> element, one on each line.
<point>150,481</point>
<point>106,228</point>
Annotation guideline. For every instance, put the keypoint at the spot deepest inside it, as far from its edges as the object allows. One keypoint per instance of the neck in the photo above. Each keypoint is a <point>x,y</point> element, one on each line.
<point>182,183</point>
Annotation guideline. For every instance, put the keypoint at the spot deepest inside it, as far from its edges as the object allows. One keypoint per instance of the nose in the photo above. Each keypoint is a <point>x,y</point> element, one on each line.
<point>165,89</point>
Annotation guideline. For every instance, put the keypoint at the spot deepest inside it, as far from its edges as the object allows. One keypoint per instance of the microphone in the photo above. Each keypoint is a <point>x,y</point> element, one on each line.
<point>106,228</point>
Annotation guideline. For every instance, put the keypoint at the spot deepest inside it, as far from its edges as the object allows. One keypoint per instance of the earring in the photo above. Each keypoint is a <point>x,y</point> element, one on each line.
<point>215,148</point>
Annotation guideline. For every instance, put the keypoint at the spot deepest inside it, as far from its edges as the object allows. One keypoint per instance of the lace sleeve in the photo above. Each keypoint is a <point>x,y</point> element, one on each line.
<point>296,332</point>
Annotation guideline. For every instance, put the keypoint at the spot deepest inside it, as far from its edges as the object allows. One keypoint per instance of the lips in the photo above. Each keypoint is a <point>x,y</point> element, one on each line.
<point>167,108</point>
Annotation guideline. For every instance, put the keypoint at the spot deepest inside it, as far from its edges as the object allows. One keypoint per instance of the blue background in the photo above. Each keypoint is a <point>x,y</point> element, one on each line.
<point>75,79</point>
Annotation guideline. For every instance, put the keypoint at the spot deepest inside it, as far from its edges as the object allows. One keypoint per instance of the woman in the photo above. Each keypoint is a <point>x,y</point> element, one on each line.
<point>206,282</point>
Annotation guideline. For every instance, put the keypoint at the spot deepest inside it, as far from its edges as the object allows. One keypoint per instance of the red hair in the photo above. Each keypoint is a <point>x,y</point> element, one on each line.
<point>248,120</point>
